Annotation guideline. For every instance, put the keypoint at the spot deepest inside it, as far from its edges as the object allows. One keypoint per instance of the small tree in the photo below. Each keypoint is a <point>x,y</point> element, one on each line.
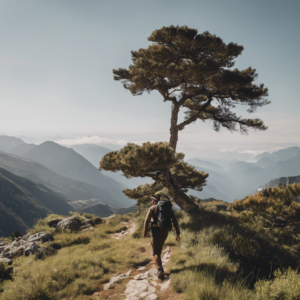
<point>193,72</point>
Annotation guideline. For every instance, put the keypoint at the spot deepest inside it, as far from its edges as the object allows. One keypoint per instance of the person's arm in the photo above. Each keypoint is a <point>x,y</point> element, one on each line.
<point>147,221</point>
<point>176,226</point>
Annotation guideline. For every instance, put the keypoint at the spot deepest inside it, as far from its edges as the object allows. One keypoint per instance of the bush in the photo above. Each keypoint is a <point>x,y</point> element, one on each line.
<point>286,285</point>
<point>5,271</point>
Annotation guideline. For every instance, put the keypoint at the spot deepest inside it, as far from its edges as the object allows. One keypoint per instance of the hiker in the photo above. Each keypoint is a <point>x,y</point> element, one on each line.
<point>163,216</point>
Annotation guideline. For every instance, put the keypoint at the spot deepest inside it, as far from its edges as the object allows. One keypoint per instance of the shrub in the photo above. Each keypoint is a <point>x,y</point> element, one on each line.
<point>286,285</point>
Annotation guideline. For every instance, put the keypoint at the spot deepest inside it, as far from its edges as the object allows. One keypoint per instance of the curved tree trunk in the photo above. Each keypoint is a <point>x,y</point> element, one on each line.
<point>181,199</point>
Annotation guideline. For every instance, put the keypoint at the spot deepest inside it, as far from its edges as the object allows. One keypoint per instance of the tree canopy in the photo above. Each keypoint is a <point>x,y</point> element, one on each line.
<point>193,72</point>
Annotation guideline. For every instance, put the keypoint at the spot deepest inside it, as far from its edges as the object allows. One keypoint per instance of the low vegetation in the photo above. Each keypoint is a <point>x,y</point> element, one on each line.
<point>77,264</point>
<point>231,254</point>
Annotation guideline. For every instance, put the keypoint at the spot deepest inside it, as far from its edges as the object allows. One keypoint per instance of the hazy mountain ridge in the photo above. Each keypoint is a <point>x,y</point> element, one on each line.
<point>23,202</point>
<point>71,164</point>
<point>69,188</point>
<point>99,210</point>
<point>94,153</point>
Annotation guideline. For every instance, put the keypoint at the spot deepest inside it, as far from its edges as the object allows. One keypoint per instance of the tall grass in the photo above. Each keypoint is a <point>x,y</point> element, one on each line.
<point>83,263</point>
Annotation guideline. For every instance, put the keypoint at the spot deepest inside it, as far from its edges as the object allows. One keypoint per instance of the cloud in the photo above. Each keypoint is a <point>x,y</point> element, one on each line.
<point>229,149</point>
<point>95,139</point>
<point>253,152</point>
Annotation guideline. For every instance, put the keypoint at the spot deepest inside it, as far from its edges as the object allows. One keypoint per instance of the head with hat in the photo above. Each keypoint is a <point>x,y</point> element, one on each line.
<point>155,199</point>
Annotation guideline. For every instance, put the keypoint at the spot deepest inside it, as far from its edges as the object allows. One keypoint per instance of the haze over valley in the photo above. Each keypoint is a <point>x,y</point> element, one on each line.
<point>52,178</point>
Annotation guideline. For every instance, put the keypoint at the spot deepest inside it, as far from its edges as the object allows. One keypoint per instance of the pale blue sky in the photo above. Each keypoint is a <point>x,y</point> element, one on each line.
<point>56,61</point>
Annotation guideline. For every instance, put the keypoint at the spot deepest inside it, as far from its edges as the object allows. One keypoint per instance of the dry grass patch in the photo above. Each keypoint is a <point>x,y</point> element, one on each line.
<point>85,261</point>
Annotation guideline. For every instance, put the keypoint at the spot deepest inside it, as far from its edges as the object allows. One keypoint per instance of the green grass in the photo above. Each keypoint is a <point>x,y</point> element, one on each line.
<point>218,258</point>
<point>78,264</point>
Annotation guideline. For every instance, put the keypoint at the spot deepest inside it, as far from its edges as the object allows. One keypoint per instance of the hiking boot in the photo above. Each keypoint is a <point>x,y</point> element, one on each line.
<point>161,274</point>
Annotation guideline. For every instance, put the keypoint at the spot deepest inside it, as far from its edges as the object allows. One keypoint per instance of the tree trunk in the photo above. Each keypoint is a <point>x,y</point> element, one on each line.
<point>173,128</point>
<point>181,199</point>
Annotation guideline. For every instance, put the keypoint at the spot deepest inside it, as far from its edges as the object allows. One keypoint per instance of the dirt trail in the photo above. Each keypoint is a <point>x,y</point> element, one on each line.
<point>141,283</point>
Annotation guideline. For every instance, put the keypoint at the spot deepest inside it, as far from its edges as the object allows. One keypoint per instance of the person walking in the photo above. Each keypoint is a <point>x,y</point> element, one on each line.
<point>160,229</point>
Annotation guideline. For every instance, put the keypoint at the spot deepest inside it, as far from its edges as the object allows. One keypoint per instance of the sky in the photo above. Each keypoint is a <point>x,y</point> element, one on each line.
<point>57,57</point>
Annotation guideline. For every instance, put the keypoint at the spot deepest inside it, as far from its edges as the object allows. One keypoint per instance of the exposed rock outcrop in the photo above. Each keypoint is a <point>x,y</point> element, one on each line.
<point>26,245</point>
<point>71,223</point>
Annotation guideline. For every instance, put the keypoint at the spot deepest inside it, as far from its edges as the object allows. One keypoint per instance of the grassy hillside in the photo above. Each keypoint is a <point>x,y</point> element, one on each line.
<point>83,263</point>
<point>222,255</point>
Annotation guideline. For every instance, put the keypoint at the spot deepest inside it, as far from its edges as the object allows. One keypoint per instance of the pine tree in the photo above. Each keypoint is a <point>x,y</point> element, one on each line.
<point>193,72</point>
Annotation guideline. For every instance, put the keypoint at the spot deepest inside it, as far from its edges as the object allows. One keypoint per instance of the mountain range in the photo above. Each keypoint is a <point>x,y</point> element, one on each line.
<point>22,202</point>
<point>62,176</point>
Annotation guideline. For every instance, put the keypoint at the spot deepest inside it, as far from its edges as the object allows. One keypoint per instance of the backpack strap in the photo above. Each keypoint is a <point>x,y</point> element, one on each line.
<point>155,214</point>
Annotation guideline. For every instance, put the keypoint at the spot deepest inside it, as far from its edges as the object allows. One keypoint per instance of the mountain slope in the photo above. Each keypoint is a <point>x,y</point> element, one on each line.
<point>21,149</point>
<point>9,142</point>
<point>94,153</point>
<point>23,202</point>
<point>51,200</point>
<point>99,210</point>
<point>71,164</point>
<point>206,164</point>
<point>67,187</point>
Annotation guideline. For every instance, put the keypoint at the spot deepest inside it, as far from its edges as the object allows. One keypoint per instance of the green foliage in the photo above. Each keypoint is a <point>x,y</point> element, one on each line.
<point>134,160</point>
<point>143,193</point>
<point>270,203</point>
<point>285,286</point>
<point>187,177</point>
<point>5,271</point>
<point>195,68</point>
<point>16,234</point>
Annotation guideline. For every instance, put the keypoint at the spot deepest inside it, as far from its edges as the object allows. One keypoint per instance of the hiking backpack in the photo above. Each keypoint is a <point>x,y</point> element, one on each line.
<point>164,216</point>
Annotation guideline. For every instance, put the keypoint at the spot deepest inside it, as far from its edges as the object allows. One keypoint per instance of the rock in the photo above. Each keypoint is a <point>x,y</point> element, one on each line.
<point>88,229</point>
<point>31,249</point>
<point>25,237</point>
<point>16,252</point>
<point>53,222</point>
<point>115,280</point>
<point>6,250</point>
<point>165,285</point>
<point>6,260</point>
<point>140,289</point>
<point>27,245</point>
<point>88,222</point>
<point>71,223</point>
<point>42,236</point>
<point>41,252</point>
<point>85,226</point>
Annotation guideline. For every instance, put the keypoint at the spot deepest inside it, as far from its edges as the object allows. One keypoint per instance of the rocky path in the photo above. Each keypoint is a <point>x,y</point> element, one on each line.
<point>146,285</point>
<point>143,282</point>
<point>131,229</point>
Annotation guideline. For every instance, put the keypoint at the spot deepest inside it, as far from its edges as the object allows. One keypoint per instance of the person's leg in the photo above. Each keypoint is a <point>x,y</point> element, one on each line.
<point>157,259</point>
<point>155,242</point>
